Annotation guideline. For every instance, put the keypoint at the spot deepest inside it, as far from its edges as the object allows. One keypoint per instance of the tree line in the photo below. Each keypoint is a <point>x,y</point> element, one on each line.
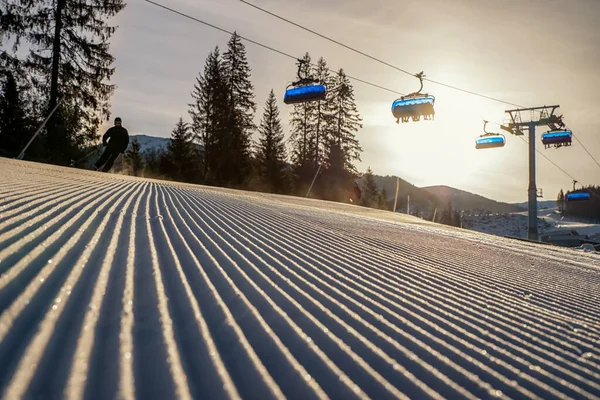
<point>215,146</point>
<point>60,49</point>
<point>53,49</point>
<point>589,209</point>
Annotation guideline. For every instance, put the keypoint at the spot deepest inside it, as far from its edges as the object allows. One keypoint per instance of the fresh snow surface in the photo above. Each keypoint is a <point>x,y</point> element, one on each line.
<point>561,223</point>
<point>118,287</point>
<point>515,224</point>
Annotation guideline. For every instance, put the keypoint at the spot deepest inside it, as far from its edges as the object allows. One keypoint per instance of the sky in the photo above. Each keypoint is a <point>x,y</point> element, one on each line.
<point>527,52</point>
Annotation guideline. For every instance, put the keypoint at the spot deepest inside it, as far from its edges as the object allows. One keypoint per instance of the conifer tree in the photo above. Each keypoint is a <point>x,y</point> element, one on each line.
<point>302,132</point>
<point>209,116</point>
<point>236,70</point>
<point>134,157</point>
<point>382,202</point>
<point>342,147</point>
<point>345,120</point>
<point>322,119</point>
<point>270,152</point>
<point>180,153</point>
<point>370,193</point>
<point>68,43</point>
<point>14,126</point>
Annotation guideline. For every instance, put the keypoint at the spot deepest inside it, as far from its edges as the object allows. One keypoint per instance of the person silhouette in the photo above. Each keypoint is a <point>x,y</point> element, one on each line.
<point>116,140</point>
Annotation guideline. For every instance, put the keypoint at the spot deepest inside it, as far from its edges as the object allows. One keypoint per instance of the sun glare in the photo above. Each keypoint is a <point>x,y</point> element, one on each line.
<point>441,151</point>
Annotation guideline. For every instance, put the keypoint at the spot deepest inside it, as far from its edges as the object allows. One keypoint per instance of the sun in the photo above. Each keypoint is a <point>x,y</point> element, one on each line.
<point>438,152</point>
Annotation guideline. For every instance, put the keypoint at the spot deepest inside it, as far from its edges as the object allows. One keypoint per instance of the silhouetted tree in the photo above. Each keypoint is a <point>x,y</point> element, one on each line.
<point>180,155</point>
<point>322,118</point>
<point>382,202</point>
<point>370,193</point>
<point>68,45</point>
<point>209,117</point>
<point>589,209</point>
<point>346,121</point>
<point>235,162</point>
<point>341,146</point>
<point>15,129</point>
<point>270,152</point>
<point>134,158</point>
<point>302,134</point>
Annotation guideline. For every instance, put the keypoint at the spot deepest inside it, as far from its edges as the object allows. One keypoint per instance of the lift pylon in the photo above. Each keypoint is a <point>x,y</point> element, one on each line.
<point>527,119</point>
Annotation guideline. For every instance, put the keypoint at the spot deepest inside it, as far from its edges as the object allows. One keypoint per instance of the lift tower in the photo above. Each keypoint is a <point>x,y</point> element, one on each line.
<point>526,119</point>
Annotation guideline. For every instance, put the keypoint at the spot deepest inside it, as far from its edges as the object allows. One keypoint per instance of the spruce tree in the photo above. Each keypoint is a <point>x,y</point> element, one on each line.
<point>322,118</point>
<point>209,113</point>
<point>342,147</point>
<point>134,157</point>
<point>346,120</point>
<point>14,128</point>
<point>180,153</point>
<point>370,193</point>
<point>302,133</point>
<point>236,70</point>
<point>68,43</point>
<point>383,200</point>
<point>270,152</point>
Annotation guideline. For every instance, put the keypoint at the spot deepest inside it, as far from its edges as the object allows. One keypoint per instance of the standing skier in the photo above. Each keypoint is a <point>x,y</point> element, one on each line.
<point>116,140</point>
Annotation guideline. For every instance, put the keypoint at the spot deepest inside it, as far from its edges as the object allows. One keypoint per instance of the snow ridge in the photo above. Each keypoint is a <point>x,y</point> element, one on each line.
<point>114,286</point>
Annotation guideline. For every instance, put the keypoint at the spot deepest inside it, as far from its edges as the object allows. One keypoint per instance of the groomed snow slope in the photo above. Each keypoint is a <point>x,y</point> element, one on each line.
<point>113,286</point>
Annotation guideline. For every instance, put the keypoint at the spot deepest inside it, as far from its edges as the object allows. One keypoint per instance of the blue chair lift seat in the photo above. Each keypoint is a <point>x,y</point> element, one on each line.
<point>559,138</point>
<point>413,107</point>
<point>579,195</point>
<point>490,142</point>
<point>303,94</point>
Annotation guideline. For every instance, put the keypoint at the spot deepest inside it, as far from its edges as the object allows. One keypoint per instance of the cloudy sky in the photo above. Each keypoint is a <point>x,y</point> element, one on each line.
<point>528,52</point>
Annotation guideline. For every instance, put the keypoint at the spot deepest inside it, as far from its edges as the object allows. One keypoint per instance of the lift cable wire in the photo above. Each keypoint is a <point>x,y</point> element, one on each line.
<point>374,58</point>
<point>350,77</point>
<point>546,157</point>
<point>266,46</point>
<point>540,153</point>
<point>396,67</point>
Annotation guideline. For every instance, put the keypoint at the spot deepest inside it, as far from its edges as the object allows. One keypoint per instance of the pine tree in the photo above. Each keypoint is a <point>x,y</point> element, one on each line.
<point>180,153</point>
<point>209,117</point>
<point>342,148</point>
<point>450,216</point>
<point>346,121</point>
<point>322,123</point>
<point>134,157</point>
<point>236,164</point>
<point>302,133</point>
<point>68,44</point>
<point>270,151</point>
<point>382,202</point>
<point>370,193</point>
<point>14,127</point>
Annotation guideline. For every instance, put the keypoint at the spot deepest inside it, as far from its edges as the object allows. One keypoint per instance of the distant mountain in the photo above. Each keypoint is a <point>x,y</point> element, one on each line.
<point>540,204</point>
<point>463,200</point>
<point>149,143</point>
<point>418,197</point>
<point>428,198</point>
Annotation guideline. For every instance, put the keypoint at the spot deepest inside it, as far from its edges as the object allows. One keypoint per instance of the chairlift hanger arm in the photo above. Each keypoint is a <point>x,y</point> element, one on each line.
<point>489,133</point>
<point>303,80</point>
<point>420,76</point>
